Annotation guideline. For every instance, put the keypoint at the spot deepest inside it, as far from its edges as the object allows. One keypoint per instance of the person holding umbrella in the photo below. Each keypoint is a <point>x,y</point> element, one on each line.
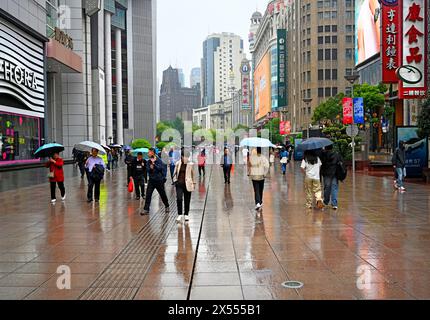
<point>330,160</point>
<point>56,176</point>
<point>258,167</point>
<point>139,173</point>
<point>94,166</point>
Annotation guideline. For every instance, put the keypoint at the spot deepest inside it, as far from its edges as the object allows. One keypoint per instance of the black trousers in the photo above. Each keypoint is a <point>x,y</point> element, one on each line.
<point>129,173</point>
<point>258,191</point>
<point>202,170</point>
<point>60,186</point>
<point>139,186</point>
<point>81,166</point>
<point>182,194</point>
<point>93,185</point>
<point>227,173</point>
<point>159,186</point>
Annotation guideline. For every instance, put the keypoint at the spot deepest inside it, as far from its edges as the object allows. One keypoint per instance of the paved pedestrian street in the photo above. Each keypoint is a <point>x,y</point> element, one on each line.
<point>376,246</point>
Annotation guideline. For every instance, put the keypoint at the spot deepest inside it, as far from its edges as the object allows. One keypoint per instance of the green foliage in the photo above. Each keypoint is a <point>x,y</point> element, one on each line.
<point>241,127</point>
<point>373,98</point>
<point>273,127</point>
<point>424,121</point>
<point>161,145</point>
<point>176,124</point>
<point>330,109</point>
<point>342,142</point>
<point>140,143</point>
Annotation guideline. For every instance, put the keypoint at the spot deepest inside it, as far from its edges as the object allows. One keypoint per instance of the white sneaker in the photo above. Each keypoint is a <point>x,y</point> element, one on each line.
<point>258,206</point>
<point>187,218</point>
<point>402,189</point>
<point>63,198</point>
<point>53,201</point>
<point>179,219</point>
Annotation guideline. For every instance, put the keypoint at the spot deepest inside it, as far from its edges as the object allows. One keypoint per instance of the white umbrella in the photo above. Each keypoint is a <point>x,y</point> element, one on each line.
<point>106,147</point>
<point>257,143</point>
<point>87,146</point>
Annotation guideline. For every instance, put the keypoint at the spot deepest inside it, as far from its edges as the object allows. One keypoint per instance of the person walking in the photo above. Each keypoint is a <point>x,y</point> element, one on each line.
<point>109,160</point>
<point>284,160</point>
<point>95,167</point>
<point>139,175</point>
<point>311,166</point>
<point>226,164</point>
<point>81,158</point>
<point>272,157</point>
<point>183,178</point>
<point>330,160</point>
<point>258,167</point>
<point>156,181</point>
<point>128,160</point>
<point>245,153</point>
<point>56,176</point>
<point>399,164</point>
<point>201,159</point>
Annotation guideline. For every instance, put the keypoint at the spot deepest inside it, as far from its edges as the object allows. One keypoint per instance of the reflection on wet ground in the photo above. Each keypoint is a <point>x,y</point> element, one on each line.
<point>376,246</point>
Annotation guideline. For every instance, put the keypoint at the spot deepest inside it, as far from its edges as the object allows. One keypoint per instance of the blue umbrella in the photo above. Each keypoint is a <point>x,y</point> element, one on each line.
<point>314,144</point>
<point>48,150</point>
<point>143,150</point>
<point>256,143</point>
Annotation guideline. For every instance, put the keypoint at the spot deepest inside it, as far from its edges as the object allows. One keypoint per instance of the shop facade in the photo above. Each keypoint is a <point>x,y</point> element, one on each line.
<point>22,91</point>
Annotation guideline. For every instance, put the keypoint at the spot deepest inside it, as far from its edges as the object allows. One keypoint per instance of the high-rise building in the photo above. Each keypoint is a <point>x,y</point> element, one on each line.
<point>99,82</point>
<point>195,77</point>
<point>222,56</point>
<point>175,99</point>
<point>320,45</point>
<point>181,77</point>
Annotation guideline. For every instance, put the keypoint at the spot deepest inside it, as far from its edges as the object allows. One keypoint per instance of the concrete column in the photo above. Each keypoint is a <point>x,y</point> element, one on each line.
<point>108,75</point>
<point>119,116</point>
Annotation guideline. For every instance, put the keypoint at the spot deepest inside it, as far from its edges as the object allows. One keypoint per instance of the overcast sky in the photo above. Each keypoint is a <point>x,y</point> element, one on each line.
<point>183,25</point>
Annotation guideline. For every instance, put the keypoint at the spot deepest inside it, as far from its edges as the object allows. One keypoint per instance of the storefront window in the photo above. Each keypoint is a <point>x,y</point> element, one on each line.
<point>19,137</point>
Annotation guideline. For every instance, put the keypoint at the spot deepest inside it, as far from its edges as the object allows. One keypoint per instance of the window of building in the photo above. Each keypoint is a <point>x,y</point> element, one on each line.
<point>320,29</point>
<point>348,39</point>
<point>348,28</point>
<point>308,18</point>
<point>334,14</point>
<point>308,54</point>
<point>320,40</point>
<point>320,54</point>
<point>327,3</point>
<point>327,28</point>
<point>327,54</point>
<point>327,39</point>
<point>320,92</point>
<point>348,54</point>
<point>327,74</point>
<point>320,3</point>
<point>320,15</point>
<point>348,3</point>
<point>348,15</point>
<point>334,28</point>
<point>308,42</point>
<point>308,31</point>
<point>334,74</point>
<point>328,92</point>
<point>348,71</point>
<point>334,54</point>
<point>320,74</point>
<point>327,15</point>
<point>334,91</point>
<point>334,39</point>
<point>308,93</point>
<point>308,76</point>
<point>334,3</point>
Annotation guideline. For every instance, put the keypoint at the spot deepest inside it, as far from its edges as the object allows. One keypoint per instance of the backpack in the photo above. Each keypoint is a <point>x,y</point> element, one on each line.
<point>341,171</point>
<point>98,172</point>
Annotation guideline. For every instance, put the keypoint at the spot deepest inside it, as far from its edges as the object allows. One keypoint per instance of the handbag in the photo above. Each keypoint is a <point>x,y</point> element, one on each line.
<point>284,160</point>
<point>51,175</point>
<point>130,185</point>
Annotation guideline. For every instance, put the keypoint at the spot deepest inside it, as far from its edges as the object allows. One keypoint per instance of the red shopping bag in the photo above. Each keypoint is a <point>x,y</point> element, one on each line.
<point>130,186</point>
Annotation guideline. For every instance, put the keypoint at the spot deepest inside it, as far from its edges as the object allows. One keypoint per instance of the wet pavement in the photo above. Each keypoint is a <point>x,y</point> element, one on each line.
<point>376,246</point>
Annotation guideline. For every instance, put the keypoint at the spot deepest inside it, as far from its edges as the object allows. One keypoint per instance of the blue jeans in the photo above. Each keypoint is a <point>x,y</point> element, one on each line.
<point>400,177</point>
<point>331,190</point>
<point>284,167</point>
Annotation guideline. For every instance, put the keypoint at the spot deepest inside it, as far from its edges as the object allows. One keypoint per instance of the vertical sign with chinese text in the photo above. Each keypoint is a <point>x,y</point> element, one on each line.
<point>359,110</point>
<point>413,70</point>
<point>282,67</point>
<point>391,40</point>
<point>347,110</point>
<point>245,71</point>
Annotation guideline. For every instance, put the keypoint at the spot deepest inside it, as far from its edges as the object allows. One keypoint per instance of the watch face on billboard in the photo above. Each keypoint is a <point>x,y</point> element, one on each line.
<point>367,29</point>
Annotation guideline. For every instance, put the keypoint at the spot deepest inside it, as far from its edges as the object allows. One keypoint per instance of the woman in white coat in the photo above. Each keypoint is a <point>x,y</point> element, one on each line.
<point>184,180</point>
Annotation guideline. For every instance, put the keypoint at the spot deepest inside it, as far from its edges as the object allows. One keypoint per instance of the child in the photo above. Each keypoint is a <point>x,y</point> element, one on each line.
<point>311,165</point>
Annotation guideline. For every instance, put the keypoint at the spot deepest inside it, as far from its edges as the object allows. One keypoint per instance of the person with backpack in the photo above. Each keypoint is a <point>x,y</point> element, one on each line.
<point>56,176</point>
<point>311,166</point>
<point>157,172</point>
<point>330,162</point>
<point>399,164</point>
<point>95,167</point>
<point>139,175</point>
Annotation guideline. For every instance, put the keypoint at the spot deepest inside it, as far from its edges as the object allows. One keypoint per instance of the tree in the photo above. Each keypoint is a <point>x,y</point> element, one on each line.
<point>373,99</point>
<point>273,126</point>
<point>241,127</point>
<point>329,110</point>
<point>140,143</point>
<point>342,142</point>
<point>424,121</point>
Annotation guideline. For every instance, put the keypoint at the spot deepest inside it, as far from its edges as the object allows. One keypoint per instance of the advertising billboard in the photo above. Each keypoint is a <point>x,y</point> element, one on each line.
<point>367,29</point>
<point>391,40</point>
<point>416,150</point>
<point>282,67</point>
<point>262,88</point>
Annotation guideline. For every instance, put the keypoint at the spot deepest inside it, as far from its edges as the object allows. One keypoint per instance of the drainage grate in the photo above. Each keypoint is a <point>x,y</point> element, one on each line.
<point>292,284</point>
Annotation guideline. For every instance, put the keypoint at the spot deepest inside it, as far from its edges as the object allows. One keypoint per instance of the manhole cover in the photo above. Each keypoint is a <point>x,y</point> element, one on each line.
<point>292,284</point>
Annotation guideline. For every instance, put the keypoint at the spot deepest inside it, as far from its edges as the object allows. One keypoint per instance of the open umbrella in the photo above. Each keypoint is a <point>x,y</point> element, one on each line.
<point>143,150</point>
<point>257,143</point>
<point>48,150</point>
<point>106,147</point>
<point>314,144</point>
<point>115,146</point>
<point>87,146</point>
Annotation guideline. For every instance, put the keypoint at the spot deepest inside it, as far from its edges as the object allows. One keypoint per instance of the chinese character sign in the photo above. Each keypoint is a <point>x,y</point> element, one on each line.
<point>347,110</point>
<point>282,67</point>
<point>245,71</point>
<point>413,70</point>
<point>358,111</point>
<point>390,41</point>
<point>284,128</point>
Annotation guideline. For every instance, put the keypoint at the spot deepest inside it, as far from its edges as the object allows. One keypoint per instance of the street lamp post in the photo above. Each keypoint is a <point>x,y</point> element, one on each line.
<point>351,78</point>
<point>307,101</point>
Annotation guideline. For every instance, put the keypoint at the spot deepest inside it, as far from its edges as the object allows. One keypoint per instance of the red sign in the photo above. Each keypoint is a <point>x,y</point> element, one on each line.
<point>390,53</point>
<point>413,69</point>
<point>347,110</point>
<point>284,128</point>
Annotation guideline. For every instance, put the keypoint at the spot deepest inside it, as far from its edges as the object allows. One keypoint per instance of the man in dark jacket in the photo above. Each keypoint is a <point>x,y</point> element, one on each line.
<point>129,162</point>
<point>330,160</point>
<point>399,164</point>
<point>139,175</point>
<point>157,178</point>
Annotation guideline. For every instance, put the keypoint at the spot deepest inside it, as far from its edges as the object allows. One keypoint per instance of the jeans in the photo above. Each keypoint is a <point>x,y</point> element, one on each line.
<point>172,170</point>
<point>60,186</point>
<point>284,168</point>
<point>183,194</point>
<point>258,191</point>
<point>331,190</point>
<point>139,185</point>
<point>159,186</point>
<point>202,171</point>
<point>400,177</point>
<point>81,166</point>
<point>227,173</point>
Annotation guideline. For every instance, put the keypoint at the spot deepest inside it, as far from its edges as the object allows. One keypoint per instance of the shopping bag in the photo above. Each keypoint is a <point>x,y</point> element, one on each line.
<point>130,186</point>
